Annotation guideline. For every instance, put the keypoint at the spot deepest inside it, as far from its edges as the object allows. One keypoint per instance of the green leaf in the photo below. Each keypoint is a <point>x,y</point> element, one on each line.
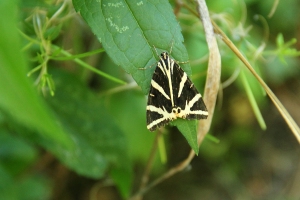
<point>284,48</point>
<point>212,138</point>
<point>189,130</point>
<point>15,153</point>
<point>280,40</point>
<point>53,32</point>
<point>18,97</point>
<point>122,179</point>
<point>99,141</point>
<point>27,187</point>
<point>253,102</point>
<point>128,30</point>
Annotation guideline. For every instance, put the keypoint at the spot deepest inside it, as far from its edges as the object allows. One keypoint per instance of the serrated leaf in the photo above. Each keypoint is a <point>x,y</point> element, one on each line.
<point>18,97</point>
<point>99,141</point>
<point>128,30</point>
<point>188,128</point>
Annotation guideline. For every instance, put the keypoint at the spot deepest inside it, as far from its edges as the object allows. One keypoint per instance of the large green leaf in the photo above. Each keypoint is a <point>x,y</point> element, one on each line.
<point>128,30</point>
<point>99,143</point>
<point>17,95</point>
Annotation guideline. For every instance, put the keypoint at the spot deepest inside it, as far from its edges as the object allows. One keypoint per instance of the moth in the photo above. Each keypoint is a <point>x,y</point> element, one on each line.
<point>172,95</point>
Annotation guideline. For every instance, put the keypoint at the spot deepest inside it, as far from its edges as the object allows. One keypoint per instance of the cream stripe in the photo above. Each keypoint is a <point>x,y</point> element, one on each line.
<point>161,111</point>
<point>194,100</point>
<point>149,126</point>
<point>170,64</point>
<point>159,88</point>
<point>189,105</point>
<point>161,68</point>
<point>181,85</point>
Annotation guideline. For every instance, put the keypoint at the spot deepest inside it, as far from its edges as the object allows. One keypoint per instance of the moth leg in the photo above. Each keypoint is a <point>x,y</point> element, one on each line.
<point>144,68</point>
<point>156,51</point>
<point>171,46</point>
<point>182,62</point>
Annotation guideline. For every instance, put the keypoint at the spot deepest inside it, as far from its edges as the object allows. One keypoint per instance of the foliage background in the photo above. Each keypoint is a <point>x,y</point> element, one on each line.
<point>89,140</point>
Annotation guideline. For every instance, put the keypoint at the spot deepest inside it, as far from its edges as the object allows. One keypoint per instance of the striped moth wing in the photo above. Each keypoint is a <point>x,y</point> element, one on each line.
<point>172,95</point>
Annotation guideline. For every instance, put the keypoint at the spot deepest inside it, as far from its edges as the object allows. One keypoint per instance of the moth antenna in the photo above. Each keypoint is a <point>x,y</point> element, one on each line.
<point>171,46</point>
<point>156,51</point>
<point>182,62</point>
<point>144,68</point>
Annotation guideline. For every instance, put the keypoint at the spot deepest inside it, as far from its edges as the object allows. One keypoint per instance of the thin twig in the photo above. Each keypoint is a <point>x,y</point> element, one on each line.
<point>181,166</point>
<point>145,177</point>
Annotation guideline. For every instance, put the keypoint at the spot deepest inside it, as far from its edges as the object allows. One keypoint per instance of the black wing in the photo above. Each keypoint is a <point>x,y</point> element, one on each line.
<point>172,95</point>
<point>187,94</point>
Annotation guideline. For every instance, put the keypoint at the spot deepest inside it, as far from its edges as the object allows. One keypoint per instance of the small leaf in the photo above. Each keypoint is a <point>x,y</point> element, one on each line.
<point>280,40</point>
<point>53,32</point>
<point>189,130</point>
<point>253,102</point>
<point>122,178</point>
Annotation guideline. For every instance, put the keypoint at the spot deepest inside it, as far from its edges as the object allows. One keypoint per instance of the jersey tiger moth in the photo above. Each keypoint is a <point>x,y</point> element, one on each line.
<point>172,95</point>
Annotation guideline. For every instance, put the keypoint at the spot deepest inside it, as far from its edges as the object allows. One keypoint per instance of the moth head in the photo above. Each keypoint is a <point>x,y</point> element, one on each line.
<point>164,55</point>
<point>177,112</point>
